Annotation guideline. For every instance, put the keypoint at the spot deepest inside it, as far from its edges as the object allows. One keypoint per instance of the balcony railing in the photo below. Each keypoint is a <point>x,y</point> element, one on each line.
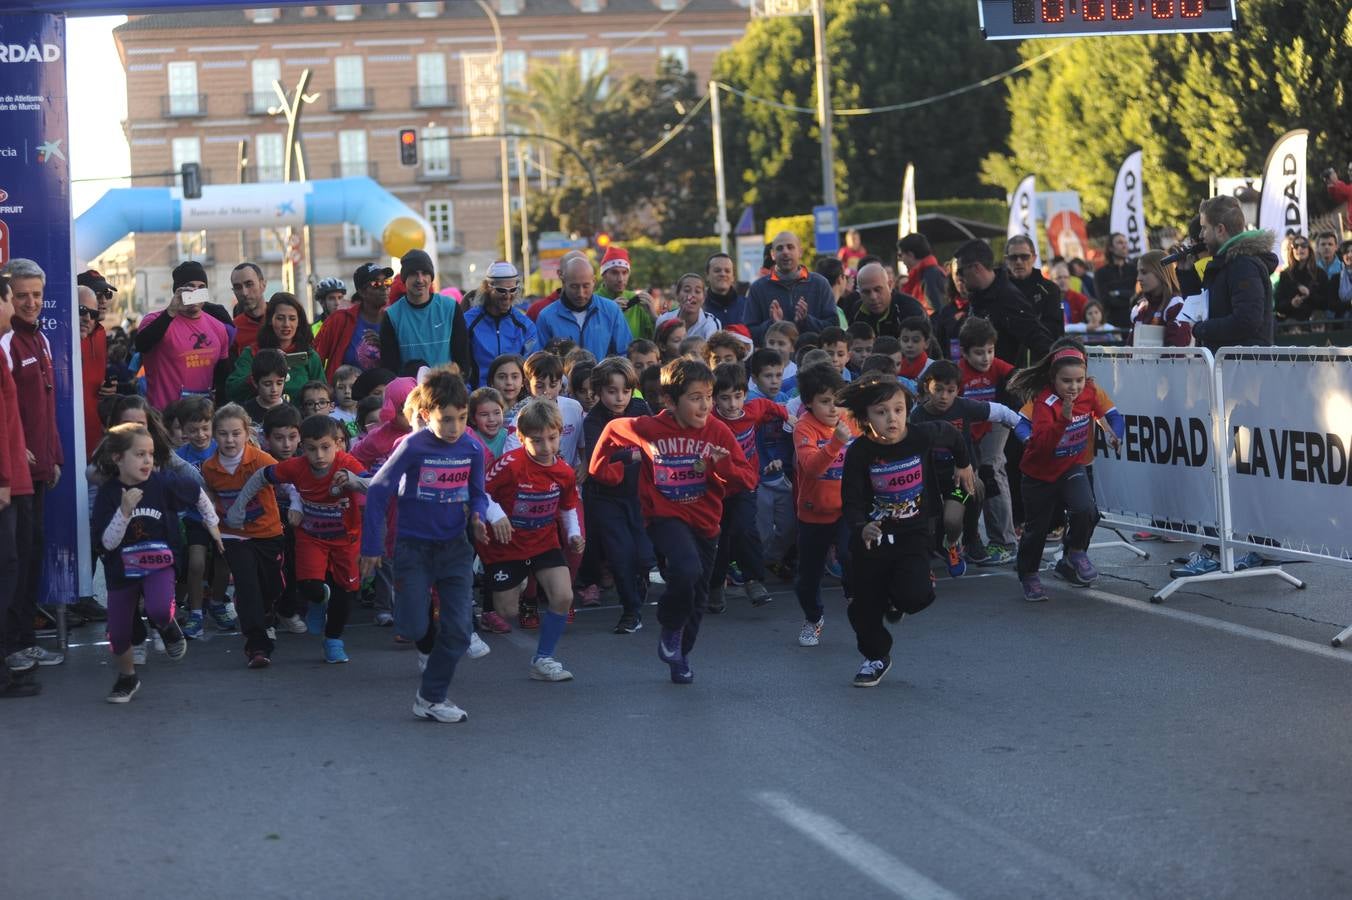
<point>352,99</point>
<point>346,249</point>
<point>449,172</point>
<point>256,103</point>
<point>355,169</point>
<point>182,106</point>
<point>434,96</point>
<point>257,174</point>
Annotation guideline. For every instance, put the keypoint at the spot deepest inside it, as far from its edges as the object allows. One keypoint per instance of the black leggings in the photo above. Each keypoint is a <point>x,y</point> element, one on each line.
<point>1041,500</point>
<point>340,605</point>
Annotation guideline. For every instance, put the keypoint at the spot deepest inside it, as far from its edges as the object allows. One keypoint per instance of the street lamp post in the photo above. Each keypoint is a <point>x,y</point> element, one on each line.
<point>824,118</point>
<point>502,127</point>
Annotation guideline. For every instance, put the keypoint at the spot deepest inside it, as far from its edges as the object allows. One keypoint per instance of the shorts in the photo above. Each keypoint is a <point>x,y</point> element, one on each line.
<point>195,534</point>
<point>316,560</point>
<point>505,575</point>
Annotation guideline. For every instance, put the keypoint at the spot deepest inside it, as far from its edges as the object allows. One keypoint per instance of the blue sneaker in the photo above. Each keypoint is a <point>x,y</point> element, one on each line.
<point>315,615</point>
<point>996,555</point>
<point>333,651</point>
<point>1033,591</point>
<point>223,614</point>
<point>680,672</point>
<point>1199,563</point>
<point>1249,560</point>
<point>193,628</point>
<point>957,567</point>
<point>735,576</point>
<point>669,646</point>
<point>833,567</point>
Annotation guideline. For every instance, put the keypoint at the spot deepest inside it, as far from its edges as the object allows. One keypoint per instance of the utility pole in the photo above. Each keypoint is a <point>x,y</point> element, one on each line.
<point>242,163</point>
<point>522,183</point>
<point>720,188</point>
<point>824,104</point>
<point>502,127</point>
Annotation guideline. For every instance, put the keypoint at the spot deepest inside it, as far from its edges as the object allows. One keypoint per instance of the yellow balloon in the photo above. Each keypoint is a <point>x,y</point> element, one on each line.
<point>402,235</point>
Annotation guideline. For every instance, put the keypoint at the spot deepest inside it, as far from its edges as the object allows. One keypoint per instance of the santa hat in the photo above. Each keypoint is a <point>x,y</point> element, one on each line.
<point>741,332</point>
<point>615,256</point>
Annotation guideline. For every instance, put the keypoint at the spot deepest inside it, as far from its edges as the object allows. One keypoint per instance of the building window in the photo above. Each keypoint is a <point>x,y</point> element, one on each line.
<point>678,54</point>
<point>185,150</point>
<point>346,12</point>
<point>589,6</point>
<point>349,82</point>
<point>432,90</point>
<point>263,73</point>
<point>265,16</point>
<point>183,88</point>
<point>440,214</point>
<point>356,242</point>
<point>509,7</point>
<point>271,243</point>
<point>668,5</point>
<point>352,154</point>
<point>514,69</point>
<point>594,62</point>
<point>426,10</point>
<point>436,151</point>
<point>269,157</point>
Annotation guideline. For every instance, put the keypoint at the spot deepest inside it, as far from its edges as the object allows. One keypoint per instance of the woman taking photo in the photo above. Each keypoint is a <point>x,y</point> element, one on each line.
<point>1157,302</point>
<point>284,328</point>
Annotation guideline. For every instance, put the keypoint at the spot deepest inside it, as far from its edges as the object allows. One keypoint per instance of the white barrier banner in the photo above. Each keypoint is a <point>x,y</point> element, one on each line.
<point>1287,419</point>
<point>1165,468</point>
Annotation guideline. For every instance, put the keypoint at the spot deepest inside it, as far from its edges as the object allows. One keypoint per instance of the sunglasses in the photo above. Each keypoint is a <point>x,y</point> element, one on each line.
<point>1019,257</point>
<point>89,313</point>
<point>383,283</point>
<point>1301,245</point>
<point>506,290</point>
<point>104,295</point>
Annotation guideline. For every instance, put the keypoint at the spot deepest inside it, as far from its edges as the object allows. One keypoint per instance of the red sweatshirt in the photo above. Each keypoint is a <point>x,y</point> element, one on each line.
<point>819,460</point>
<point>983,386</point>
<point>14,472</point>
<point>93,369</point>
<point>1056,446</point>
<point>677,478</point>
<point>756,412</point>
<point>30,360</point>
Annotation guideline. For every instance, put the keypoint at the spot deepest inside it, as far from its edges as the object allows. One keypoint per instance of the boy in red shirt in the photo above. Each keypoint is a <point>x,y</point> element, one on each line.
<point>984,376</point>
<point>532,490</point>
<point>739,537</point>
<point>328,538</point>
<point>688,463</point>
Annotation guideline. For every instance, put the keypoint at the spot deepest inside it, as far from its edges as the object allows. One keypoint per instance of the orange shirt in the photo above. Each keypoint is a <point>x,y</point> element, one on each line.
<point>261,519</point>
<point>819,463</point>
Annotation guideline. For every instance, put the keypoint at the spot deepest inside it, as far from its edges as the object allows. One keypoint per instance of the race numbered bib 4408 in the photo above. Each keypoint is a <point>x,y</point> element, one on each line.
<point>444,480</point>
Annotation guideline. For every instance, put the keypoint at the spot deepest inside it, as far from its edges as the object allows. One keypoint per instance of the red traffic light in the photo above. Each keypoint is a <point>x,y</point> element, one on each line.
<point>408,146</point>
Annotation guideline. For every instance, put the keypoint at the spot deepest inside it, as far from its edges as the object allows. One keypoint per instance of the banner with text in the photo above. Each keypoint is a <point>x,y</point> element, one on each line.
<point>1128,213</point>
<point>1165,468</point>
<point>1023,215</point>
<point>1283,209</point>
<point>35,224</point>
<point>1287,420</point>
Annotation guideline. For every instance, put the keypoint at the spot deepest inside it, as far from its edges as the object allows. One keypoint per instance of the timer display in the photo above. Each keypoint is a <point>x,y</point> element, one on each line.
<point>1018,19</point>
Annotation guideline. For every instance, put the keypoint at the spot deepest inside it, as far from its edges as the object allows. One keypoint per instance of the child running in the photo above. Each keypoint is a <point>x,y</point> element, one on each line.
<point>438,475</point>
<point>688,463</point>
<point>136,520</point>
<point>1065,405</point>
<point>884,497</point>
<point>539,488</point>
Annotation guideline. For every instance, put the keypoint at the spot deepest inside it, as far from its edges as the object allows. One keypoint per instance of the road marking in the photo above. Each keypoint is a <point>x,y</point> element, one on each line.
<point>868,858</point>
<point>1244,631</point>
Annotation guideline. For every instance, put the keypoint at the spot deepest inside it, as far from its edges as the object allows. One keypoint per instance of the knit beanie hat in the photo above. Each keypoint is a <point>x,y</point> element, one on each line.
<point>416,261</point>
<point>187,272</point>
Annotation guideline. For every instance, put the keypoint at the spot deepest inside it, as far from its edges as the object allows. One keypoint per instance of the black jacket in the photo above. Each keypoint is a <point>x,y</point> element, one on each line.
<point>902,307</point>
<point>1019,333</point>
<point>1114,286</point>
<point>1238,282</point>
<point>947,322</point>
<point>592,426</point>
<point>1045,298</point>
<point>1295,277</point>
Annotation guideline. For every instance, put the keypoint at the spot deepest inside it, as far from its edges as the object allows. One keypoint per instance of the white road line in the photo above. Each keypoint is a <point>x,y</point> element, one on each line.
<point>1244,631</point>
<point>869,859</point>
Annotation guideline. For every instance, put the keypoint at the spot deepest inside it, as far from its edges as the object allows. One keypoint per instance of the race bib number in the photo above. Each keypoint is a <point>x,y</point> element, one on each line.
<point>898,487</point>
<point>983,392</point>
<point>1074,437</point>
<point>681,479</point>
<point>535,509</point>
<point>252,510</point>
<point>746,439</point>
<point>186,394</point>
<point>836,470</point>
<point>140,560</point>
<point>323,520</point>
<point>444,481</point>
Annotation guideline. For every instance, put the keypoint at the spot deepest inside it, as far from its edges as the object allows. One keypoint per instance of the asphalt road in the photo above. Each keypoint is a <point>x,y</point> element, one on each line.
<point>1092,746</point>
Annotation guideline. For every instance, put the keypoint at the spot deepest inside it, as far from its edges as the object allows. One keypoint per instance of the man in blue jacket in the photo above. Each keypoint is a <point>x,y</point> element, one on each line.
<point>495,326</point>
<point>791,292</point>
<point>593,323</point>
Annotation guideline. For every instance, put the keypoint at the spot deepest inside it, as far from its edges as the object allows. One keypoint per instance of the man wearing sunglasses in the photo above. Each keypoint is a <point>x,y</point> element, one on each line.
<point>1043,295</point>
<point>495,325</point>
<point>351,336</point>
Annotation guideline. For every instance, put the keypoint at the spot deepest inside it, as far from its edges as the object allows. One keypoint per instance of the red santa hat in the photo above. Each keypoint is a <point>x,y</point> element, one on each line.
<point>742,333</point>
<point>615,256</point>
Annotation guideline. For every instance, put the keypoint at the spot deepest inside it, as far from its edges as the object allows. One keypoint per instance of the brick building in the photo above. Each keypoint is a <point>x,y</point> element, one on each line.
<point>199,84</point>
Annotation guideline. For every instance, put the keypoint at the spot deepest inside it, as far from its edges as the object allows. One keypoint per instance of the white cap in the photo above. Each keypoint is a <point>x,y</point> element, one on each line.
<point>502,270</point>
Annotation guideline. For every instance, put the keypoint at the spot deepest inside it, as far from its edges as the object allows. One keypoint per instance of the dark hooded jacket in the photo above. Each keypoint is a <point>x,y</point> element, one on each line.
<point>1238,282</point>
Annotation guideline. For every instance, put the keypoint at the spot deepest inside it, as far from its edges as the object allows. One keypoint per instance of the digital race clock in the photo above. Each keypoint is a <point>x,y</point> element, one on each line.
<point>1017,19</point>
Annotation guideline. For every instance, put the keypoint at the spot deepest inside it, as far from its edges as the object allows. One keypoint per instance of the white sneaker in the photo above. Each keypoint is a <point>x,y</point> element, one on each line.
<point>547,668</point>
<point>293,624</point>
<point>138,654</point>
<point>422,661</point>
<point>811,635</point>
<point>272,633</point>
<point>39,655</point>
<point>445,711</point>
<point>477,647</point>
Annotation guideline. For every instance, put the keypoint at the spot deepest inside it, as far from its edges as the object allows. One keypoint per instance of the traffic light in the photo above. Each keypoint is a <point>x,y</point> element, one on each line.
<point>408,146</point>
<point>191,173</point>
<point>602,241</point>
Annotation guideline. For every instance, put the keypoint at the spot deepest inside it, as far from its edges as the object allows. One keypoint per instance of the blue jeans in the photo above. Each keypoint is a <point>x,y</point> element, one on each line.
<point>814,539</point>
<point>419,567</point>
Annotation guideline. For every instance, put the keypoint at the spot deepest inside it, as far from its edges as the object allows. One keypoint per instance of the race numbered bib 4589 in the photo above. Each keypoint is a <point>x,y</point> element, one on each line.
<point>145,558</point>
<point>444,480</point>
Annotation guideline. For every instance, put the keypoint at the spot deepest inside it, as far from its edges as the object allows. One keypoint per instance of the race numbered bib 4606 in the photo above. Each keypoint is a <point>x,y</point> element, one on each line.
<point>681,479</point>
<point>898,486</point>
<point>140,560</point>
<point>444,480</point>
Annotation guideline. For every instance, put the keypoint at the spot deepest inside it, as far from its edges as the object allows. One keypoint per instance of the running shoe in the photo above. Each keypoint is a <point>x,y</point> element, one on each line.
<point>293,624</point>
<point>956,566</point>
<point>258,659</point>
<point>194,628</point>
<point>124,689</point>
<point>628,624</point>
<point>223,614</point>
<point>477,648</point>
<point>1055,535</point>
<point>384,619</point>
<point>716,602</point>
<point>422,660</point>
<point>1142,537</point>
<point>1249,560</point>
<point>757,593</point>
<point>681,673</point>
<point>271,633</point>
<point>528,618</point>
<point>1033,591</point>
<point>175,642</point>
<point>833,567</point>
<point>589,595</point>
<point>334,651</point>
<point>735,576</point>
<point>996,555</point>
<point>89,609</point>
<point>976,555</point>
<point>38,655</point>
<point>669,645</point>
<point>811,635</point>
<point>442,711</point>
<point>781,570</point>
<point>1200,562</point>
<point>495,623</point>
<point>1084,569</point>
<point>547,668</point>
<point>872,672</point>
